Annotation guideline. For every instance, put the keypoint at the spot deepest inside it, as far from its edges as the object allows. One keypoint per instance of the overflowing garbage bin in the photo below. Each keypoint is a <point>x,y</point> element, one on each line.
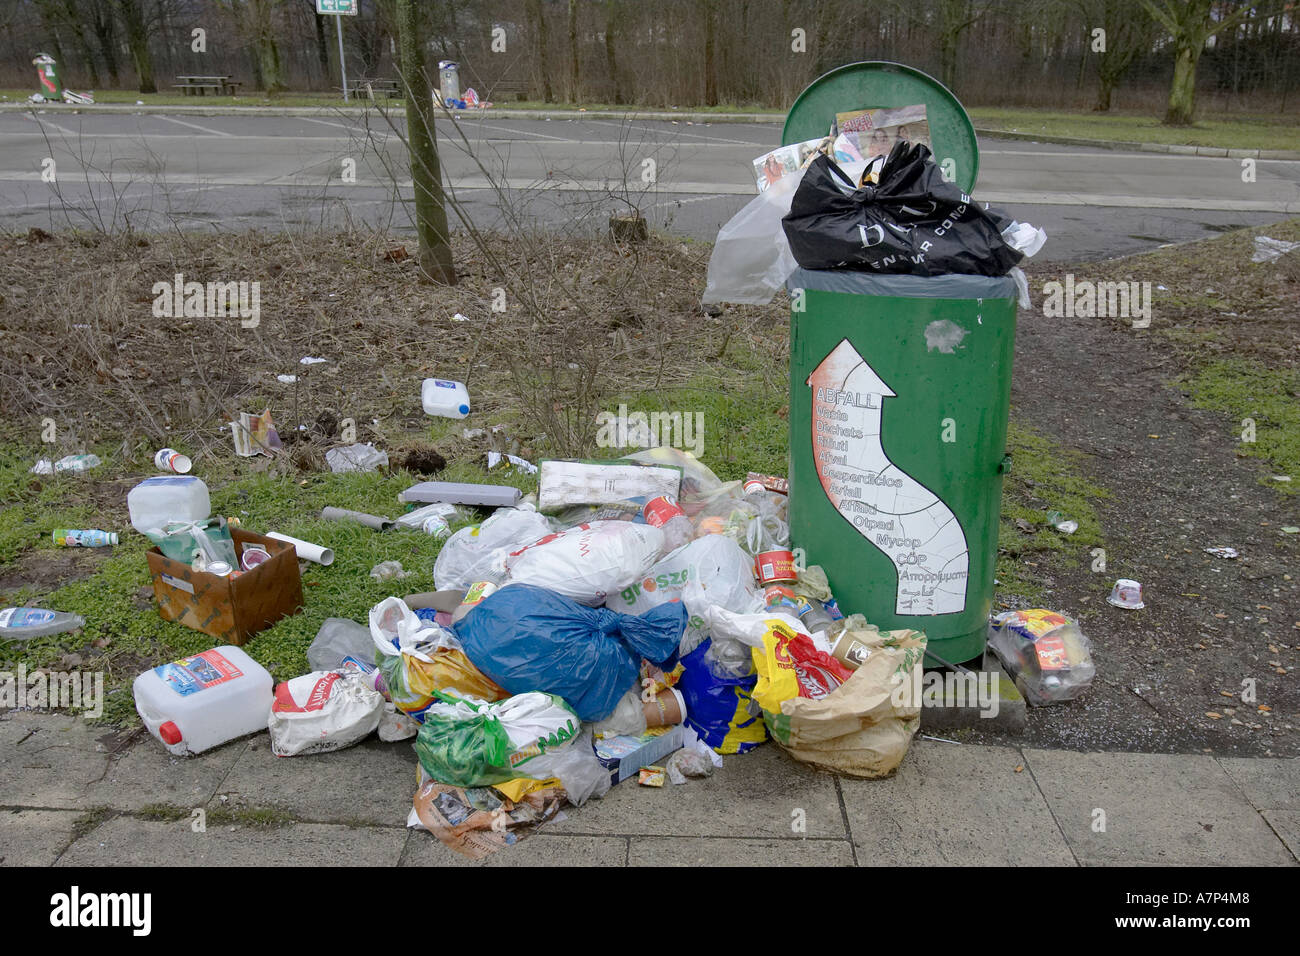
<point>900,358</point>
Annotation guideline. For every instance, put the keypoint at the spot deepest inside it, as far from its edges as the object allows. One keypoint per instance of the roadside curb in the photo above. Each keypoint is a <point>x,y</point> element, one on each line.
<point>1129,145</point>
<point>654,115</point>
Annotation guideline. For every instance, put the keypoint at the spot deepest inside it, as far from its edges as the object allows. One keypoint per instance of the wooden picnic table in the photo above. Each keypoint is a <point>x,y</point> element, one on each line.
<point>373,87</point>
<point>196,85</point>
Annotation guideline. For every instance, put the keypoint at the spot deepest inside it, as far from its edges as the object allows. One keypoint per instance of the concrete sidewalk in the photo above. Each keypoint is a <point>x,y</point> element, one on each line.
<point>71,796</point>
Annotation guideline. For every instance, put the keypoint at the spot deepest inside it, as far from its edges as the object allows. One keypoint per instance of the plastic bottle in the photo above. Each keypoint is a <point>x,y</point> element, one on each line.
<point>84,538</point>
<point>665,514</point>
<point>76,463</point>
<point>22,623</point>
<point>443,398</point>
<point>156,501</point>
<point>814,616</point>
<point>201,702</point>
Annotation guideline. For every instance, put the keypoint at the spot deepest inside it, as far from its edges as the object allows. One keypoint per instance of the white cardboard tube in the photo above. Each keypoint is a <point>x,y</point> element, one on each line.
<point>305,549</point>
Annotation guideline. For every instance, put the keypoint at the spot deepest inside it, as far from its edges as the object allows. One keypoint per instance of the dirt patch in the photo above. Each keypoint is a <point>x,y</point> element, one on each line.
<point>1171,676</point>
<point>43,571</point>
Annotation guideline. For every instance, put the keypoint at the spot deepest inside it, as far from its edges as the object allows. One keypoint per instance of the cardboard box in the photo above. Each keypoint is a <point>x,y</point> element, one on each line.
<point>625,756</point>
<point>230,609</point>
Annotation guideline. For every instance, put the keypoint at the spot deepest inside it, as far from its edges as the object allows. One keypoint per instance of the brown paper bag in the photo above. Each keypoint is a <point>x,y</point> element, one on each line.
<point>864,727</point>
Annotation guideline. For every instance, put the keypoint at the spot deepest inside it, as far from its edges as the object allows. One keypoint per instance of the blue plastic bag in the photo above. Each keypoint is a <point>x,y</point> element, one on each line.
<point>530,639</point>
<point>717,708</point>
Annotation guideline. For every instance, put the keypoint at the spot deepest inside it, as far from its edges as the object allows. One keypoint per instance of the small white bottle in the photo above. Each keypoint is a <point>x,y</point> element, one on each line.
<point>444,399</point>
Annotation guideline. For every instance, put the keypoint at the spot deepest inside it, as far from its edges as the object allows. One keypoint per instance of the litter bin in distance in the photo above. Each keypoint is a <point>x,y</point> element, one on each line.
<point>448,80</point>
<point>899,393</point>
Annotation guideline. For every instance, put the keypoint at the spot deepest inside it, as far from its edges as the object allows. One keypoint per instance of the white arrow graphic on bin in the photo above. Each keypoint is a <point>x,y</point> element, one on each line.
<point>906,520</point>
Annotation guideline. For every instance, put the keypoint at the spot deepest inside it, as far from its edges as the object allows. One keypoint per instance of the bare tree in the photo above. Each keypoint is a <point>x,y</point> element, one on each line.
<point>611,60</point>
<point>574,63</point>
<point>1190,24</point>
<point>537,27</point>
<point>426,171</point>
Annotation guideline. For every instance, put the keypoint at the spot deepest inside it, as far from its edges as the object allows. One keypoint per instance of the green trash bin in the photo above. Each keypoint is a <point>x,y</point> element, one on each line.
<point>899,393</point>
<point>47,76</point>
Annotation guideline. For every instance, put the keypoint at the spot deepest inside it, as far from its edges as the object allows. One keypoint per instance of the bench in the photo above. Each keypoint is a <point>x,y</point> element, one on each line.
<point>374,88</point>
<point>507,88</point>
<point>199,85</point>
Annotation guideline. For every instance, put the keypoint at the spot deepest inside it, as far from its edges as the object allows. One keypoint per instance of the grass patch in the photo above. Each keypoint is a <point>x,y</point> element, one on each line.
<point>1044,477</point>
<point>1268,397</point>
<point>1228,131</point>
<point>164,812</point>
<point>90,821</point>
<point>260,818</point>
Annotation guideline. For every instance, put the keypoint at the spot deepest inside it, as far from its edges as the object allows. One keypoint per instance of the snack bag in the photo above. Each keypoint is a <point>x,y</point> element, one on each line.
<point>1046,654</point>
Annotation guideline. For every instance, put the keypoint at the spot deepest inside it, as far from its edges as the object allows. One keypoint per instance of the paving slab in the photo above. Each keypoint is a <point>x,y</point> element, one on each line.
<point>35,837</point>
<point>372,783</point>
<point>145,774</point>
<point>1286,824</point>
<point>540,849</point>
<point>130,841</point>
<point>49,760</point>
<point>1158,808</point>
<point>1269,783</point>
<point>751,795</point>
<point>954,805</point>
<point>682,851</point>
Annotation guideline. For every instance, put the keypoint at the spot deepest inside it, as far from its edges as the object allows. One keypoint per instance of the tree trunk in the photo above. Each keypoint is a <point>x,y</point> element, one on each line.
<point>103,25</point>
<point>574,64</point>
<point>426,172</point>
<point>137,41</point>
<point>1182,92</point>
<point>1104,87</point>
<point>537,27</point>
<point>322,46</point>
<point>611,22</point>
<point>710,74</point>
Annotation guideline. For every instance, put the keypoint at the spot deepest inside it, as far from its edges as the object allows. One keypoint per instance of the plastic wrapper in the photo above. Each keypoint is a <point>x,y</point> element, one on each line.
<point>589,562</point>
<point>751,256</point>
<point>812,583</point>
<point>469,743</point>
<point>789,665</point>
<point>418,659</point>
<point>323,711</point>
<point>341,644</point>
<point>699,485</point>
<point>528,638</point>
<point>710,570</point>
<point>718,704</point>
<point>913,222</point>
<point>1045,653</point>
<point>478,553</point>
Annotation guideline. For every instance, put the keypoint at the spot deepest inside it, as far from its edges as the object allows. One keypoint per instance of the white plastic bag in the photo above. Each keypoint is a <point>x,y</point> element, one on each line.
<point>734,635</point>
<point>710,570</point>
<point>396,629</point>
<point>589,562</point>
<point>751,257</point>
<point>323,711</point>
<point>478,553</point>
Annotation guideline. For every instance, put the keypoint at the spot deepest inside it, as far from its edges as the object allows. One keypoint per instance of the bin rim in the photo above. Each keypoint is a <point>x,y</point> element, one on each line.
<point>966,181</point>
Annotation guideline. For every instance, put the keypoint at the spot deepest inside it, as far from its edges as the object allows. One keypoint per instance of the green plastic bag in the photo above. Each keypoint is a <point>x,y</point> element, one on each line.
<point>471,743</point>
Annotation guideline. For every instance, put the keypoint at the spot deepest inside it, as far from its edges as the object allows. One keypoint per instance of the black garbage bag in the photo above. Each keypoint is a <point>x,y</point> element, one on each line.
<point>913,222</point>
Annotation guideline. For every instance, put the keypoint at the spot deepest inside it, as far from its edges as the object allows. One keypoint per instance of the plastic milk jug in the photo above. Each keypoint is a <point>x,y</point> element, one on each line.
<point>443,398</point>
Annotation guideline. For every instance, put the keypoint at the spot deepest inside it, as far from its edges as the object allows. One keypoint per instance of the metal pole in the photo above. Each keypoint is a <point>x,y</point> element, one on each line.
<point>343,67</point>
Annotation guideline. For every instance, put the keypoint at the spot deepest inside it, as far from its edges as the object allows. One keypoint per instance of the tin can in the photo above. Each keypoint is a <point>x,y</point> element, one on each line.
<point>79,538</point>
<point>169,459</point>
<point>220,568</point>
<point>775,567</point>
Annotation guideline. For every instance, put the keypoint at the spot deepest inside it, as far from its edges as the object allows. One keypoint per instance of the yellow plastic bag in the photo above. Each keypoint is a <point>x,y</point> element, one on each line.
<point>411,681</point>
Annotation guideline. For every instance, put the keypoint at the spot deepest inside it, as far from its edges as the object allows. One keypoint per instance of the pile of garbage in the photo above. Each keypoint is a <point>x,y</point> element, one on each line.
<point>635,618</point>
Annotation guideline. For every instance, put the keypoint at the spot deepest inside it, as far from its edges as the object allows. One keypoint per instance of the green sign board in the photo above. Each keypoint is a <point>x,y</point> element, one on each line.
<point>340,7</point>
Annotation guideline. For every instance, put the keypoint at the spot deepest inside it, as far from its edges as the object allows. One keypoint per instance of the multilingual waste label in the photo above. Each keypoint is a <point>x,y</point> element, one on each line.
<point>900,516</point>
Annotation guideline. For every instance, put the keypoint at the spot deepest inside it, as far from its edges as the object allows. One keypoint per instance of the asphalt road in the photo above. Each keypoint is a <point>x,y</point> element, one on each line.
<point>273,172</point>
